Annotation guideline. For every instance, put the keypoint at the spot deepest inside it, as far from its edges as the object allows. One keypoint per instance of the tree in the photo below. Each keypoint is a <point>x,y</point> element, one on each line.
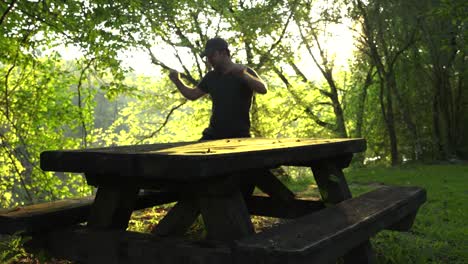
<point>384,40</point>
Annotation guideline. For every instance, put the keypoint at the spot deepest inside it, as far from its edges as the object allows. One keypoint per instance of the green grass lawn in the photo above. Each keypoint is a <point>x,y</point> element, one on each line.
<point>440,231</point>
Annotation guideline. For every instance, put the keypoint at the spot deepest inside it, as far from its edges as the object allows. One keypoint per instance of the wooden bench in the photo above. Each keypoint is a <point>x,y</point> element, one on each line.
<point>43,217</point>
<point>324,236</point>
<point>46,216</point>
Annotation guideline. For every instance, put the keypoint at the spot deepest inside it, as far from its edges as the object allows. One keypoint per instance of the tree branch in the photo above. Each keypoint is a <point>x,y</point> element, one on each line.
<point>264,57</point>
<point>298,71</point>
<point>166,120</point>
<point>80,82</point>
<point>13,161</point>
<point>298,100</point>
<point>9,8</point>
<point>187,74</point>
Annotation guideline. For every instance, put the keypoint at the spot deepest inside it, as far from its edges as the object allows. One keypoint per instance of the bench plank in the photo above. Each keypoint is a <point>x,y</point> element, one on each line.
<point>45,216</point>
<point>324,236</point>
<point>117,246</point>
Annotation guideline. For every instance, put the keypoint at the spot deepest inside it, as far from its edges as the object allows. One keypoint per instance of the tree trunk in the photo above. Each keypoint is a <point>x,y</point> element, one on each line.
<point>443,125</point>
<point>362,103</point>
<point>410,124</point>
<point>390,121</point>
<point>337,109</point>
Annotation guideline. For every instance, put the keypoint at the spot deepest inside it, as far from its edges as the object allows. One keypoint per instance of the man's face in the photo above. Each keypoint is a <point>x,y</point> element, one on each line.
<point>214,58</point>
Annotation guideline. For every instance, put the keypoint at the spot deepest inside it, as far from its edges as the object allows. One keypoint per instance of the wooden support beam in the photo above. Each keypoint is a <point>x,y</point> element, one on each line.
<point>178,219</point>
<point>266,181</point>
<point>226,217</point>
<point>113,207</point>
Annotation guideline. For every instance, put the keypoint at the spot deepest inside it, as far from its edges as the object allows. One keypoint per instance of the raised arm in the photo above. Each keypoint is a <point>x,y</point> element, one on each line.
<point>187,92</point>
<point>253,81</point>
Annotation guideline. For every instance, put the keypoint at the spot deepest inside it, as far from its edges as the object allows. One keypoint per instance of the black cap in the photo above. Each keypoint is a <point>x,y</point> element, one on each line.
<point>213,45</point>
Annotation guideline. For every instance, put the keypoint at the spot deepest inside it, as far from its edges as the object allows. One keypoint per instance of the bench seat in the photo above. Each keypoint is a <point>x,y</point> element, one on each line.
<point>326,235</point>
<point>46,216</point>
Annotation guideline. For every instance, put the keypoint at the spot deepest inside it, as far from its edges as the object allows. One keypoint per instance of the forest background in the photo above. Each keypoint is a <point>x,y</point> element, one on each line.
<point>403,87</point>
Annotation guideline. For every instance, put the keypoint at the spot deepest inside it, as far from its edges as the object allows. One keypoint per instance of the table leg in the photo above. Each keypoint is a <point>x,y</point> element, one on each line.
<point>226,217</point>
<point>266,181</point>
<point>331,182</point>
<point>334,189</point>
<point>113,207</point>
<point>178,219</point>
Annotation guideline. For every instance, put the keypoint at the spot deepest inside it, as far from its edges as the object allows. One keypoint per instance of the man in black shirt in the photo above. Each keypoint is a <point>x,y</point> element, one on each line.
<point>231,87</point>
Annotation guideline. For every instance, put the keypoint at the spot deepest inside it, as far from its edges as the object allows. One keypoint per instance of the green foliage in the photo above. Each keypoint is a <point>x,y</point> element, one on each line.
<point>11,248</point>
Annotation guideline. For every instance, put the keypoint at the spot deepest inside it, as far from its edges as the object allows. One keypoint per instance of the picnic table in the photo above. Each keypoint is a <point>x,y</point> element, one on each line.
<point>215,179</point>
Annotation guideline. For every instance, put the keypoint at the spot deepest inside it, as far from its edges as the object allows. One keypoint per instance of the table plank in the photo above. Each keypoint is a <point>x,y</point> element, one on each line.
<point>193,162</point>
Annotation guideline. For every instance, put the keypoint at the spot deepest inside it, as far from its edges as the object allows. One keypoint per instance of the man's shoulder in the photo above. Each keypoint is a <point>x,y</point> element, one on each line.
<point>251,71</point>
<point>205,82</point>
<point>209,75</point>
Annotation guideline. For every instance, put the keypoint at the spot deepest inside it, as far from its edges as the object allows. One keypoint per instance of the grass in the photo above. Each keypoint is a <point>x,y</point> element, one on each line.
<point>439,234</point>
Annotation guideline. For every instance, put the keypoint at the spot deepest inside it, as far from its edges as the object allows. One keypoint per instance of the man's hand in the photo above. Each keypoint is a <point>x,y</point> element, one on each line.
<point>187,92</point>
<point>254,83</point>
<point>174,76</point>
<point>237,70</point>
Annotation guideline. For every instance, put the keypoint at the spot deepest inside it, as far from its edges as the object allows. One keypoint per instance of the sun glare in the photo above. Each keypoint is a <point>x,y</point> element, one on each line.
<point>336,40</point>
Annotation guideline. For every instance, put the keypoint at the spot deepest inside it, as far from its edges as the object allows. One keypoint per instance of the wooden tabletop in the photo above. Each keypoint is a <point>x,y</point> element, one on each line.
<point>191,161</point>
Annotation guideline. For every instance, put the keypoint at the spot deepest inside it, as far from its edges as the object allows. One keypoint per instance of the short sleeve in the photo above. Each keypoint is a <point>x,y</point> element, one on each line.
<point>203,85</point>
<point>252,72</point>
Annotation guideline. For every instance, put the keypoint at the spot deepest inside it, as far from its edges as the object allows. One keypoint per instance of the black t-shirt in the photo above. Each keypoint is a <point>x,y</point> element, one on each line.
<point>231,101</point>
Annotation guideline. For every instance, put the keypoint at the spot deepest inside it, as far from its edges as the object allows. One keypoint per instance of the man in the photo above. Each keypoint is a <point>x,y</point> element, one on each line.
<point>231,87</point>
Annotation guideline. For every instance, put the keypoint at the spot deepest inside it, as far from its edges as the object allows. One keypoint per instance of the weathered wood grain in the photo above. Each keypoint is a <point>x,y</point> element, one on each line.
<point>324,236</point>
<point>192,162</point>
